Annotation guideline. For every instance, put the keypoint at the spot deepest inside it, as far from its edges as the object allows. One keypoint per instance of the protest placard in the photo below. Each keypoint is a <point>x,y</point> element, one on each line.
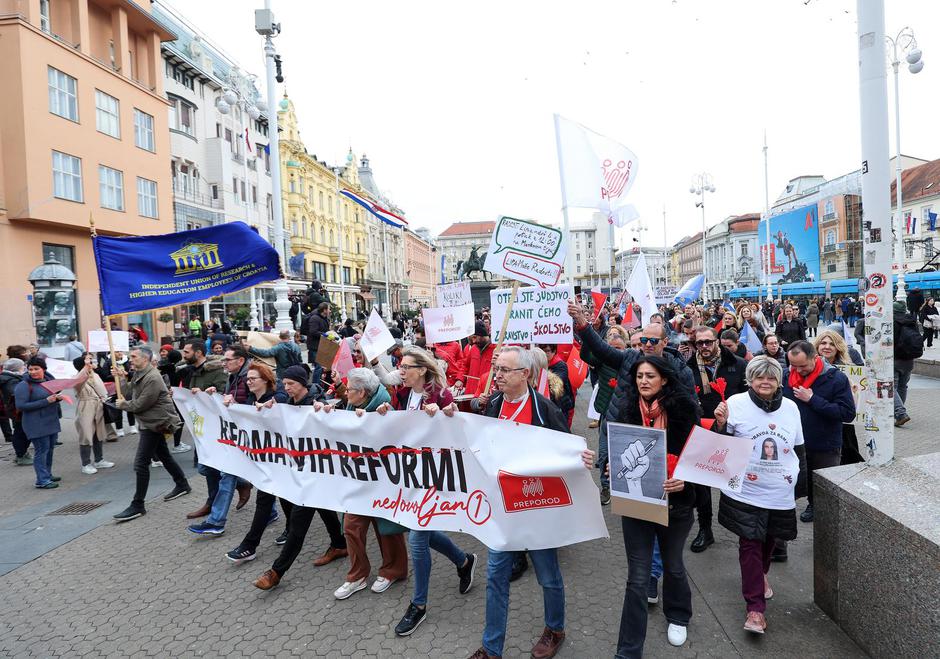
<point>98,341</point>
<point>637,456</point>
<point>448,323</point>
<point>714,460</point>
<point>454,295</point>
<point>263,340</point>
<point>859,382</point>
<point>61,369</point>
<point>343,363</point>
<point>526,251</point>
<point>376,339</point>
<point>538,315</point>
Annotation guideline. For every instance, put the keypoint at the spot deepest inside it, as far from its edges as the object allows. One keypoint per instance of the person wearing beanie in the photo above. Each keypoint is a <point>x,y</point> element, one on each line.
<point>164,349</point>
<point>296,384</point>
<point>481,359</point>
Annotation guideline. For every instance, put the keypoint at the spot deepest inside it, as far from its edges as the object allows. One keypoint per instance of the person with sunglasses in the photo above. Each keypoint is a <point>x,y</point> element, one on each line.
<point>711,362</point>
<point>653,341</point>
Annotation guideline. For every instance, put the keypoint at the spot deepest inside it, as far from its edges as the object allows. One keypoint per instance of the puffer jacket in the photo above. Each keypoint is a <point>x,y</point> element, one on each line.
<point>832,405</point>
<point>753,523</point>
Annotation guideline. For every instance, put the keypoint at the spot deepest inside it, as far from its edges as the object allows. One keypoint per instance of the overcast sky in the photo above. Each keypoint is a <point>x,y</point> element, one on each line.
<point>453,104</point>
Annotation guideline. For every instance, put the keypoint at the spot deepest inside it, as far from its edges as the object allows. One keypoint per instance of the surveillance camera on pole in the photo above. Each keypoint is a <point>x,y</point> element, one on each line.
<point>264,23</point>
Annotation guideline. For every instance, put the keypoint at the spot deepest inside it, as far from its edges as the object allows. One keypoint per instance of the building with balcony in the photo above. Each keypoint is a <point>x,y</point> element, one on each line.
<point>920,199</point>
<point>83,134</point>
<point>689,257</point>
<point>420,258</point>
<point>591,254</point>
<point>731,256</point>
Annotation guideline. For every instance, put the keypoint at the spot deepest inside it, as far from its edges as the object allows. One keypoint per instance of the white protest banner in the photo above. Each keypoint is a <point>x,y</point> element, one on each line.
<point>637,472</point>
<point>714,460</point>
<point>665,294</point>
<point>448,324</point>
<point>98,341</point>
<point>526,251</point>
<point>376,339</point>
<point>510,485</point>
<point>60,369</point>
<point>539,315</point>
<point>454,295</point>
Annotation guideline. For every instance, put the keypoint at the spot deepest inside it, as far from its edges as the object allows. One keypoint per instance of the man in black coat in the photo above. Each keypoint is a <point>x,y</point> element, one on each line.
<point>313,327</point>
<point>710,362</point>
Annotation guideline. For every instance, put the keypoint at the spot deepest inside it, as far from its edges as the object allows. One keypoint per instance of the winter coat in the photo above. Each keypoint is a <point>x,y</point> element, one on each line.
<point>211,373</point>
<point>39,416</point>
<point>812,316</point>
<point>731,368</point>
<point>545,414</point>
<point>480,363</point>
<point>781,356</point>
<point>566,402</point>
<point>73,350</point>
<point>605,374</point>
<point>789,331</point>
<point>915,300</point>
<point>8,382</point>
<point>753,523</point>
<point>285,353</point>
<point>313,327</point>
<point>237,383</point>
<point>822,417</point>
<point>451,353</point>
<point>89,410</point>
<point>149,400</point>
<point>435,395</point>
<point>682,415</point>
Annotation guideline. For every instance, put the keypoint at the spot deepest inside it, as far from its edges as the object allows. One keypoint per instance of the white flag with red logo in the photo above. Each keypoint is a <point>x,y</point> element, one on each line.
<point>596,171</point>
<point>343,362</point>
<point>376,339</point>
<point>639,287</point>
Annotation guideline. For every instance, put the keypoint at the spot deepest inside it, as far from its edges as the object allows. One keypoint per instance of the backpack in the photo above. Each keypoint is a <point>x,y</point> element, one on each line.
<point>908,343</point>
<point>293,357</point>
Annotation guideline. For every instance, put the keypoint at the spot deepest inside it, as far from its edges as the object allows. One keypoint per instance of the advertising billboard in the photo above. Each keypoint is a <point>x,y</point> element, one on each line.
<point>794,246</point>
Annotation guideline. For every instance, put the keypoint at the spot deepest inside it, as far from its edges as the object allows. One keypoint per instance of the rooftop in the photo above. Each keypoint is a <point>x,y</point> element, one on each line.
<point>918,182</point>
<point>468,229</point>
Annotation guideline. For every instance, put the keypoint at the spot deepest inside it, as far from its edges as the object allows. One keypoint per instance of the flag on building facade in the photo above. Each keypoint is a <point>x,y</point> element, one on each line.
<point>596,171</point>
<point>932,218</point>
<point>141,273</point>
<point>386,216</point>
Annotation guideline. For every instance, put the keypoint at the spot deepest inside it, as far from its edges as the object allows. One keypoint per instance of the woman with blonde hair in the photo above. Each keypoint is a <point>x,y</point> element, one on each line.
<point>746,315</point>
<point>832,347</point>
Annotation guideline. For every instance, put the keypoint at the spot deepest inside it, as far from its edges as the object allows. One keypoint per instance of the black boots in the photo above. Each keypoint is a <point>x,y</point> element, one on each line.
<point>703,539</point>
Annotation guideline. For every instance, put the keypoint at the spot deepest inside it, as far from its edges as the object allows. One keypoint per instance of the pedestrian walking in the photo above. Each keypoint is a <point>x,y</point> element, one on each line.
<point>908,346</point>
<point>930,320</point>
<point>14,369</point>
<point>812,318</point>
<point>831,346</point>
<point>39,410</point>
<point>149,399</point>
<point>90,397</point>
<point>764,510</point>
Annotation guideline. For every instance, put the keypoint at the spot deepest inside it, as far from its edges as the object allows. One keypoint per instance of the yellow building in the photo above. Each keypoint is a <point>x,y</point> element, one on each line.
<point>310,213</point>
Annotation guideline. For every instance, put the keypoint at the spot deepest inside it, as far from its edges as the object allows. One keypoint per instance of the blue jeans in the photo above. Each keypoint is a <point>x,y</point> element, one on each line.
<point>499,567</point>
<point>656,570</point>
<point>420,543</point>
<point>43,448</point>
<point>223,500</point>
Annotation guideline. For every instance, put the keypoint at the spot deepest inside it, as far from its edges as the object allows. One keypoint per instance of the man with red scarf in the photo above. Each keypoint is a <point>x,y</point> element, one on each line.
<point>823,395</point>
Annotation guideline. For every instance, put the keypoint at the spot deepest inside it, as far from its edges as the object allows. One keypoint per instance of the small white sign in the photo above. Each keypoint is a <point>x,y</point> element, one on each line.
<point>454,295</point>
<point>448,324</point>
<point>60,369</point>
<point>376,339</point>
<point>98,340</point>
<point>714,460</point>
<point>526,251</point>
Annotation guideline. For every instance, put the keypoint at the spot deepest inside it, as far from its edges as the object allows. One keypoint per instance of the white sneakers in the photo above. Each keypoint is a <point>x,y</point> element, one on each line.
<point>676,635</point>
<point>89,469</point>
<point>349,588</point>
<point>131,429</point>
<point>104,464</point>
<point>120,432</point>
<point>182,448</point>
<point>381,584</point>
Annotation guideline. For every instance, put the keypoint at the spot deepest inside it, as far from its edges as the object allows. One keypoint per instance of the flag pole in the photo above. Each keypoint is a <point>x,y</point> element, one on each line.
<point>107,319</point>
<point>564,203</point>
<point>502,333</point>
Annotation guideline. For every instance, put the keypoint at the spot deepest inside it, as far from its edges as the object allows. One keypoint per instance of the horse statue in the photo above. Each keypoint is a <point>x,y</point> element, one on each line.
<point>474,263</point>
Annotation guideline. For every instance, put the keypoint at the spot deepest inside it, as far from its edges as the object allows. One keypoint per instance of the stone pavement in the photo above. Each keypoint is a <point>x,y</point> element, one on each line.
<point>84,586</point>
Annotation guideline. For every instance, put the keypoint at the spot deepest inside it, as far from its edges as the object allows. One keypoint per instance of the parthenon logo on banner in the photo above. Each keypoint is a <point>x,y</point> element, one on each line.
<point>194,256</point>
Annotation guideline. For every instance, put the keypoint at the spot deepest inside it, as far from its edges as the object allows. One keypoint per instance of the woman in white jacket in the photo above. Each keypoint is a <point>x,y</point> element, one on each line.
<point>89,414</point>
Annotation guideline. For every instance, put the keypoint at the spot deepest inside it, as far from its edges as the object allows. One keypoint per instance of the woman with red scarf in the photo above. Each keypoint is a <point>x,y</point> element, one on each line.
<point>658,401</point>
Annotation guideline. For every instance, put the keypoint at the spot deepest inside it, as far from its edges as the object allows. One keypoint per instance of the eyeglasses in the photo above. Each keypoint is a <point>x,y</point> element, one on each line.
<point>409,366</point>
<point>251,379</point>
<point>702,343</point>
<point>504,370</point>
<point>653,342</point>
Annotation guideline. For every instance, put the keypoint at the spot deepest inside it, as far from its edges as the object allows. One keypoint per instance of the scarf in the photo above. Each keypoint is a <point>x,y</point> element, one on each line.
<point>703,372</point>
<point>768,406</point>
<point>654,416</point>
<point>796,380</point>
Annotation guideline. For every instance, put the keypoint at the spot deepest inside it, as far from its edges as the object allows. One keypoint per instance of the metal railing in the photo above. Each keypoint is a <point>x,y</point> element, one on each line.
<point>181,192</point>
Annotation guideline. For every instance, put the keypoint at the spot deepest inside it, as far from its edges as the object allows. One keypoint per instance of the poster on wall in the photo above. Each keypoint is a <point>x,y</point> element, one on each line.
<point>794,245</point>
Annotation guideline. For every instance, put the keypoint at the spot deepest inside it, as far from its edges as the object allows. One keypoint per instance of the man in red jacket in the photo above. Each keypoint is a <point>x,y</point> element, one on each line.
<point>451,353</point>
<point>481,358</point>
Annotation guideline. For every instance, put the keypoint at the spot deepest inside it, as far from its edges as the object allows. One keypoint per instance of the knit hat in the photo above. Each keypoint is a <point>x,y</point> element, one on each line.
<point>166,346</point>
<point>297,373</point>
<point>900,307</point>
<point>479,329</point>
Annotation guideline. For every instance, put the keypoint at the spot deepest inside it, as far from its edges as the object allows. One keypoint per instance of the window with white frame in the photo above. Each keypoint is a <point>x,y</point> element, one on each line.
<point>182,115</point>
<point>44,24</point>
<point>66,176</point>
<point>111,186</point>
<point>63,99</point>
<point>147,198</point>
<point>143,130</point>
<point>107,114</point>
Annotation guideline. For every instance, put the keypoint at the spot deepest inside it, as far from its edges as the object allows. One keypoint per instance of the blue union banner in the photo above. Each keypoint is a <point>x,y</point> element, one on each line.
<point>149,272</point>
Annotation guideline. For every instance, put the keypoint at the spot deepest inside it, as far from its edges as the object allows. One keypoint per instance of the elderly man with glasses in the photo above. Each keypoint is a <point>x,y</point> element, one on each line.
<point>712,361</point>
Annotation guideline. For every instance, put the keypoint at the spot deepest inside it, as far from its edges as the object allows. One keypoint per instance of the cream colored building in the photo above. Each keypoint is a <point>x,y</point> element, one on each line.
<point>83,133</point>
<point>420,257</point>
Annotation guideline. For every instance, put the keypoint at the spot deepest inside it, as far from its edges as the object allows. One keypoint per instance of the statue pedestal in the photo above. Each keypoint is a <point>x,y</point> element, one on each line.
<point>480,293</point>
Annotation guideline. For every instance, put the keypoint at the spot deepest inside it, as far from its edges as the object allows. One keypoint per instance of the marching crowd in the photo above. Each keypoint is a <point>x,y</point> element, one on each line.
<point>684,366</point>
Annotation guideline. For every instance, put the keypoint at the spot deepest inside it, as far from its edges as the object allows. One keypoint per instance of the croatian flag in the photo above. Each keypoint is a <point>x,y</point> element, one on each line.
<point>749,339</point>
<point>730,307</point>
<point>386,216</point>
<point>911,224</point>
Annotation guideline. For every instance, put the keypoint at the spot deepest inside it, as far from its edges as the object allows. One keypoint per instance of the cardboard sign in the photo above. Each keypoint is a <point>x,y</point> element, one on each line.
<point>714,460</point>
<point>326,353</point>
<point>376,339</point>
<point>526,251</point>
<point>454,295</point>
<point>539,315</point>
<point>637,472</point>
<point>448,323</point>
<point>265,341</point>
<point>98,341</point>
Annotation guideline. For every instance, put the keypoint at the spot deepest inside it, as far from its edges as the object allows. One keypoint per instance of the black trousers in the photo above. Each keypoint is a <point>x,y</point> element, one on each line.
<point>703,504</point>
<point>819,460</point>
<point>299,523</point>
<point>152,446</point>
<point>264,504</point>
<point>20,440</point>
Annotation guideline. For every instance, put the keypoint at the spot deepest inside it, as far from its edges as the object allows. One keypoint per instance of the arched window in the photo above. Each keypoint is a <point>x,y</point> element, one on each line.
<point>332,238</point>
<point>322,235</point>
<point>831,237</point>
<point>293,184</point>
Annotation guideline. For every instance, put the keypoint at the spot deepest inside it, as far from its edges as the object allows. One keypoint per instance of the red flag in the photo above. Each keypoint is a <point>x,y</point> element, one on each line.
<point>577,369</point>
<point>247,141</point>
<point>629,320</point>
<point>599,299</point>
<point>543,384</point>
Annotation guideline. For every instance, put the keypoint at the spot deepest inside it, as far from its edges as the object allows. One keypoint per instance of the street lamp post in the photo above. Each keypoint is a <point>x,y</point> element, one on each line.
<point>903,42</point>
<point>702,183</point>
<point>339,223</point>
<point>266,27</point>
